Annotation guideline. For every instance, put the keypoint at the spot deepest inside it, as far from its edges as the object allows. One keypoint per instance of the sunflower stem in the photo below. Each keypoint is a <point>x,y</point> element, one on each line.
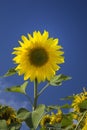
<point>80,120</point>
<point>35,94</point>
<point>43,89</point>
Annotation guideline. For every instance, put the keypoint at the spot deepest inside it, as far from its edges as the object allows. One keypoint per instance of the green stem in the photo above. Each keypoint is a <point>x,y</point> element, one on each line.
<point>80,120</point>
<point>35,94</point>
<point>43,89</point>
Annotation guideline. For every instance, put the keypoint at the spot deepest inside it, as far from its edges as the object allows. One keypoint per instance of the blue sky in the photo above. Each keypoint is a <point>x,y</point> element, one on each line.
<point>64,19</point>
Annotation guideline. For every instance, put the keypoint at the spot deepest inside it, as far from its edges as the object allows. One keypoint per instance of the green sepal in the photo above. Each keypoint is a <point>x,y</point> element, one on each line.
<point>18,88</point>
<point>58,79</point>
<point>10,72</point>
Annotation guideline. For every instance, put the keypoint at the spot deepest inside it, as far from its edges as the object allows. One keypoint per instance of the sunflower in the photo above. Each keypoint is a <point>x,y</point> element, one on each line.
<point>9,115</point>
<point>56,118</point>
<point>45,120</point>
<point>38,56</point>
<point>78,99</point>
<point>51,119</point>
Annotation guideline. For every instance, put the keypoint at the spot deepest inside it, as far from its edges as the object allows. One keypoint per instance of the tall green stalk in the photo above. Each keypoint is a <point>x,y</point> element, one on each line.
<point>35,94</point>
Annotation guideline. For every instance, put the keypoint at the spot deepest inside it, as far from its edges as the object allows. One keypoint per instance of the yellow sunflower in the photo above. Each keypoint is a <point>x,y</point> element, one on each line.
<point>9,114</point>
<point>38,56</point>
<point>45,120</point>
<point>78,99</point>
<point>56,118</point>
<point>51,119</point>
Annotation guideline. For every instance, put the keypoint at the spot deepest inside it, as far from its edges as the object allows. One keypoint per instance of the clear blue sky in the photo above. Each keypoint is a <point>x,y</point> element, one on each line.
<point>64,19</point>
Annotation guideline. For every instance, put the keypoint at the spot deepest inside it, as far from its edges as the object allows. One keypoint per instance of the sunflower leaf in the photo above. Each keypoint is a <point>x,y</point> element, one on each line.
<point>15,126</point>
<point>34,119</point>
<point>52,107</point>
<point>58,79</point>
<point>3,125</point>
<point>83,105</point>
<point>68,98</point>
<point>67,120</point>
<point>66,106</point>
<point>23,114</point>
<point>18,88</point>
<point>10,72</point>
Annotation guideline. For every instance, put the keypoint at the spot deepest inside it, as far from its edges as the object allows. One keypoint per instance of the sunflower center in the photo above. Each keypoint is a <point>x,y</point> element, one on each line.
<point>47,121</point>
<point>38,57</point>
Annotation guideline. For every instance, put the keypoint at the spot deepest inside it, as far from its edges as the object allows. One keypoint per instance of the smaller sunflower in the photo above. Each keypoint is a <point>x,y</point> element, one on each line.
<point>9,115</point>
<point>51,119</point>
<point>78,99</point>
<point>38,56</point>
<point>45,120</point>
<point>56,118</point>
<point>59,116</point>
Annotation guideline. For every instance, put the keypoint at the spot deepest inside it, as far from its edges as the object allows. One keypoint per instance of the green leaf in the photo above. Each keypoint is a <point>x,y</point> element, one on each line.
<point>56,126</point>
<point>68,98</point>
<point>70,127</point>
<point>83,105</point>
<point>23,114</point>
<point>15,126</point>
<point>10,72</point>
<point>3,125</point>
<point>52,107</point>
<point>66,106</point>
<point>67,120</point>
<point>58,79</point>
<point>35,117</point>
<point>18,88</point>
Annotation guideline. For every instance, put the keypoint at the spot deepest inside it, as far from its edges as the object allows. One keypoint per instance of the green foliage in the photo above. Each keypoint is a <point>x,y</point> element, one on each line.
<point>10,72</point>
<point>67,120</point>
<point>3,125</point>
<point>58,79</point>
<point>14,126</point>
<point>56,107</point>
<point>56,126</point>
<point>23,114</point>
<point>18,88</point>
<point>83,105</point>
<point>35,116</point>
<point>52,107</point>
<point>66,106</point>
<point>68,98</point>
